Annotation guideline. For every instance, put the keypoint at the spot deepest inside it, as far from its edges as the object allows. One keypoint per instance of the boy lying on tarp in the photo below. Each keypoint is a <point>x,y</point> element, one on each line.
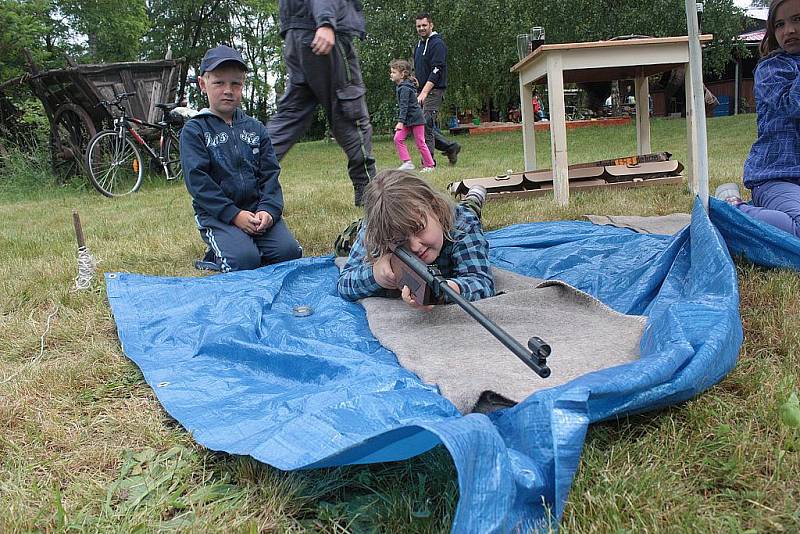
<point>403,209</point>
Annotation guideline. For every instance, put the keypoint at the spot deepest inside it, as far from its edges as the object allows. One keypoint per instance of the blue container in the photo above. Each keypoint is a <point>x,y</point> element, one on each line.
<point>724,107</point>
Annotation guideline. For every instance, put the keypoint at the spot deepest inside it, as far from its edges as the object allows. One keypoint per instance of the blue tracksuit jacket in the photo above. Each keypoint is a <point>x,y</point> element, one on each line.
<point>230,168</point>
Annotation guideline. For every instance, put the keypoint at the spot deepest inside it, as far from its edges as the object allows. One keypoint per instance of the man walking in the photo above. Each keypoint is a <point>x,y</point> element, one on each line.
<point>324,70</point>
<point>430,66</point>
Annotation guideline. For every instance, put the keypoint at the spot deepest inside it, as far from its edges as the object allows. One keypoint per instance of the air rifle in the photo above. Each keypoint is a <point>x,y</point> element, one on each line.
<point>428,286</point>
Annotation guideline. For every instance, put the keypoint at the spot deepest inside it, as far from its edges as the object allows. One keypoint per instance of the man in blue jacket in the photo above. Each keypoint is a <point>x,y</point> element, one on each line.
<point>324,71</point>
<point>231,172</point>
<point>430,66</point>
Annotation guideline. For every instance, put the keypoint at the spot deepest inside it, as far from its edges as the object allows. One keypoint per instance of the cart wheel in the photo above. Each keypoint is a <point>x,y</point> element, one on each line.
<point>72,130</point>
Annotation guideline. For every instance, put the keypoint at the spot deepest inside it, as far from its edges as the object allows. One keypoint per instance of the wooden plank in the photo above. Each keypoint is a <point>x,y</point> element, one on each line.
<point>136,107</point>
<point>586,186</point>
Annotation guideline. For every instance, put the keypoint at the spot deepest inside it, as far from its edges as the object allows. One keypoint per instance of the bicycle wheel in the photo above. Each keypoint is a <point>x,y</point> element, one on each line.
<point>172,156</point>
<point>115,164</point>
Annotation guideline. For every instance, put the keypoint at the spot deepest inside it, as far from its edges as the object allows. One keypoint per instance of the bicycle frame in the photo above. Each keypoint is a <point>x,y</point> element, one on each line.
<point>121,124</point>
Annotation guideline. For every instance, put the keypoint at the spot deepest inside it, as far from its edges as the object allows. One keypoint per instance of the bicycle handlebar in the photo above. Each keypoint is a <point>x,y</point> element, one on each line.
<point>118,98</point>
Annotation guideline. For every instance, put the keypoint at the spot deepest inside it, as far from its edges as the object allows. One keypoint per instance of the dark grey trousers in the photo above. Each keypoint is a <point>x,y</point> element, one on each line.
<point>334,82</point>
<point>433,137</point>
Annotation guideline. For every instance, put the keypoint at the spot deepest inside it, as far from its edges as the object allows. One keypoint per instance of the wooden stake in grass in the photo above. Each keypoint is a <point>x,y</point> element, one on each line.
<point>86,263</point>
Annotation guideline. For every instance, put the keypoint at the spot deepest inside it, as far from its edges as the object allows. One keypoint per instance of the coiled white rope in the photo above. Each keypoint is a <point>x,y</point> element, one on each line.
<point>86,267</point>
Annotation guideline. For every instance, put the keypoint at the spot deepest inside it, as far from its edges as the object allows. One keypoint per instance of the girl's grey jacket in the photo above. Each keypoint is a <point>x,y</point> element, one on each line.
<point>408,110</point>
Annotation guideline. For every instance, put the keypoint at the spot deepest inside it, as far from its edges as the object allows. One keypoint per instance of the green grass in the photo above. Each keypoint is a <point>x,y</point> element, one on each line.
<point>84,445</point>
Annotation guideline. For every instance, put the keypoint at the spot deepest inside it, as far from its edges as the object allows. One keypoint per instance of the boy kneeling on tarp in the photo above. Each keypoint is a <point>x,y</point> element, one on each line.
<point>231,172</point>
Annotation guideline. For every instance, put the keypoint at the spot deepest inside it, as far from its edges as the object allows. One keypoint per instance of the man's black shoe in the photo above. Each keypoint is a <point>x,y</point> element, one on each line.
<point>452,155</point>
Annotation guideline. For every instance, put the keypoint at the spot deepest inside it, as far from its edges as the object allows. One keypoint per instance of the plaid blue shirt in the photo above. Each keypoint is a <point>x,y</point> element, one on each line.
<point>776,153</point>
<point>464,259</point>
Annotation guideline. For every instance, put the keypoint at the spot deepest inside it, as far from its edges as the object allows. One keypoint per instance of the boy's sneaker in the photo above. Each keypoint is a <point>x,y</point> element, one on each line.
<point>729,192</point>
<point>208,262</point>
<point>406,166</point>
<point>426,170</point>
<point>474,199</point>
<point>477,192</point>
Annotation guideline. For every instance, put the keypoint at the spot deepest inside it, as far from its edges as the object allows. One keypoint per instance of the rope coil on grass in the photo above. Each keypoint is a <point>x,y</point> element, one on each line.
<point>86,268</point>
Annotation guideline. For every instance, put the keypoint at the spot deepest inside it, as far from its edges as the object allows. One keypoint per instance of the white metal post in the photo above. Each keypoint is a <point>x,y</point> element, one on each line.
<point>528,130</point>
<point>700,141</point>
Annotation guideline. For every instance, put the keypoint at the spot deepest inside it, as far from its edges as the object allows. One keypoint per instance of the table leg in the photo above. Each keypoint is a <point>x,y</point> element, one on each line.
<point>558,130</point>
<point>642,93</point>
<point>528,131</point>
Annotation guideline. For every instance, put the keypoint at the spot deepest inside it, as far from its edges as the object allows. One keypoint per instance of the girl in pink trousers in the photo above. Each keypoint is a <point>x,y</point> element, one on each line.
<point>409,116</point>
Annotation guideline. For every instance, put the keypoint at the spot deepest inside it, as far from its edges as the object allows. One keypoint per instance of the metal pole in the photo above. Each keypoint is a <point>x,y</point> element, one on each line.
<point>696,73</point>
<point>736,89</point>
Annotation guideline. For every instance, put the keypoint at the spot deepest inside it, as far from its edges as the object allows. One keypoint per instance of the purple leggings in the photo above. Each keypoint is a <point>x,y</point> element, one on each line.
<point>776,203</point>
<point>419,139</point>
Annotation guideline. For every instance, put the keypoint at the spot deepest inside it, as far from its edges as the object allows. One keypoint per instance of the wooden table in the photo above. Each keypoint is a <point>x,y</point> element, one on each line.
<point>601,61</point>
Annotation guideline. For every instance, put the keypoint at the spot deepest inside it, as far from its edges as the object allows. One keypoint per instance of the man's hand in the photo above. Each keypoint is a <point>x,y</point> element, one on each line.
<point>383,273</point>
<point>424,92</point>
<point>323,41</point>
<point>265,221</point>
<point>247,222</point>
<point>399,126</point>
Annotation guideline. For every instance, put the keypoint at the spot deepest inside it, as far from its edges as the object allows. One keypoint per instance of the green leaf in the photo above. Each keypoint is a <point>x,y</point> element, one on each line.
<point>790,411</point>
<point>207,494</point>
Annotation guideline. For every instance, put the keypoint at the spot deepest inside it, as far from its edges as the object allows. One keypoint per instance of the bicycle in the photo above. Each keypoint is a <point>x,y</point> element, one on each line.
<point>114,161</point>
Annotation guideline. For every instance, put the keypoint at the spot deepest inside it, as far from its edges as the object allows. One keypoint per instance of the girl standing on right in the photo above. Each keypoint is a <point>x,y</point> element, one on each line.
<point>409,116</point>
<point>772,170</point>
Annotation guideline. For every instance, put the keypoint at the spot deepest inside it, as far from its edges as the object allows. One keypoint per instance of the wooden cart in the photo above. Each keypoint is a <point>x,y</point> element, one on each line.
<point>71,98</point>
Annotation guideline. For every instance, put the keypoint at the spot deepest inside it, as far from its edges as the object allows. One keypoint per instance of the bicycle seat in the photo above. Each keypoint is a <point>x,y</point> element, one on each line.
<point>167,107</point>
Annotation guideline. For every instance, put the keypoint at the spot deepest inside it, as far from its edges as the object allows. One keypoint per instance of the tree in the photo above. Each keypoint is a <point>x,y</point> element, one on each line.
<point>33,26</point>
<point>481,37</point>
<point>259,41</point>
<point>113,30</point>
<point>189,28</point>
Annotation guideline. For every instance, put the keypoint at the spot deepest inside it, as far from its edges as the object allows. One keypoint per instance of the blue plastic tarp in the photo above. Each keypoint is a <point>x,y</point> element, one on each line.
<point>227,358</point>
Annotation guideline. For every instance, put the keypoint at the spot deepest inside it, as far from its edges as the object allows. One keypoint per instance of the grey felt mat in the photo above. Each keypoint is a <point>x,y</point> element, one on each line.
<point>662,224</point>
<point>473,370</point>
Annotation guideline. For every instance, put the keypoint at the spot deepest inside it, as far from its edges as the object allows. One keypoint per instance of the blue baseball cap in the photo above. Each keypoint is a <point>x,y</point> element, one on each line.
<point>219,55</point>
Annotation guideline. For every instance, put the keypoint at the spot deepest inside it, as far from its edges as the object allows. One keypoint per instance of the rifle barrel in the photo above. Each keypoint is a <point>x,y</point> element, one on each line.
<point>538,363</point>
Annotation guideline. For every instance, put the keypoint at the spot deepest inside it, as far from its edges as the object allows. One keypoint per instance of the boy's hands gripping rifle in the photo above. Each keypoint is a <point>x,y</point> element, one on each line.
<point>428,286</point>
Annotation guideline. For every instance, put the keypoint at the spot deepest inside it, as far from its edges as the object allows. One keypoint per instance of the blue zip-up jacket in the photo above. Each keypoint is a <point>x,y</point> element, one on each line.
<point>230,168</point>
<point>776,153</point>
<point>408,110</point>
<point>344,16</point>
<point>430,61</point>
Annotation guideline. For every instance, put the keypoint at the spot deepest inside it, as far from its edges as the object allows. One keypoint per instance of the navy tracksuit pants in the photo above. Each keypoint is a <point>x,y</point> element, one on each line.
<point>234,250</point>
